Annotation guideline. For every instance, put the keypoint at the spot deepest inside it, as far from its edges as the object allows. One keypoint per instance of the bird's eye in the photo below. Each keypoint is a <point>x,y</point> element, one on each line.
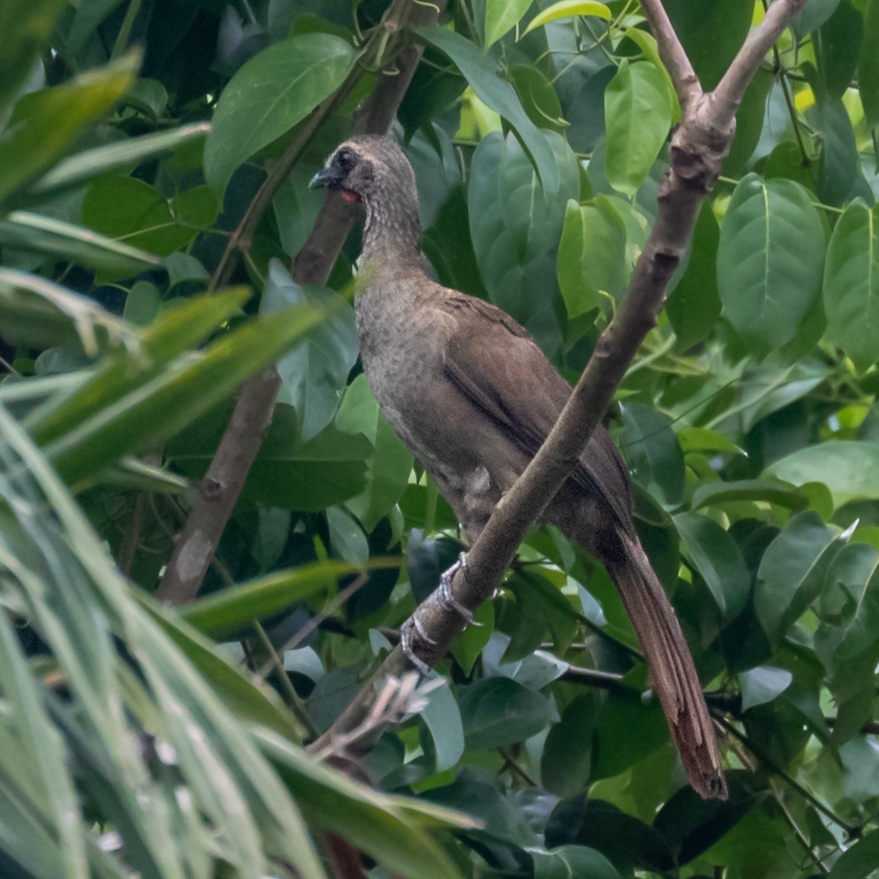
<point>346,159</point>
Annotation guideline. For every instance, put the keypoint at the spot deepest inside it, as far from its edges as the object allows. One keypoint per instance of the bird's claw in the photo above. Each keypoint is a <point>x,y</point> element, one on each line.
<point>406,645</point>
<point>447,599</point>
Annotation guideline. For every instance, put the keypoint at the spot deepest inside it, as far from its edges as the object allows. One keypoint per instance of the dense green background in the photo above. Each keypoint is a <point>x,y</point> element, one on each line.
<point>748,422</point>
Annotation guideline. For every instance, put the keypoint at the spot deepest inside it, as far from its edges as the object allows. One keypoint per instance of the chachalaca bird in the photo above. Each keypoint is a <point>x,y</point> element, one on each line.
<point>473,397</point>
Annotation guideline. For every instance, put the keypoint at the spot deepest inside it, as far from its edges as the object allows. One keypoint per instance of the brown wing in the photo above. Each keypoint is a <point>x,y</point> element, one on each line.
<point>496,363</point>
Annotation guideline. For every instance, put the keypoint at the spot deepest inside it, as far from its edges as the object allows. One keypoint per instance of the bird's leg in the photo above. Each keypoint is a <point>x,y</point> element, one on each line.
<point>447,599</point>
<point>406,643</point>
<point>449,602</point>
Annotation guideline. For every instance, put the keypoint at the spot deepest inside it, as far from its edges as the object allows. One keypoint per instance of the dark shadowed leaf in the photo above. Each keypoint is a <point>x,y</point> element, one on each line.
<point>715,555</point>
<point>653,451</point>
<point>851,284</point>
<point>498,711</point>
<point>792,573</point>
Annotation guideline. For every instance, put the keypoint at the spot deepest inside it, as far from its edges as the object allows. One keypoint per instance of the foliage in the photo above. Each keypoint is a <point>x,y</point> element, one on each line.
<point>538,133</point>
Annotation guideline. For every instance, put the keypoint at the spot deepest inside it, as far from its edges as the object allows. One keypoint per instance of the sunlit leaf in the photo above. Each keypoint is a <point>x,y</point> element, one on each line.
<point>568,9</point>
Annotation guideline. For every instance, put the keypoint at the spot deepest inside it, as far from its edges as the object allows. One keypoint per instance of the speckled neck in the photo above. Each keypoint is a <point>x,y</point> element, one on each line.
<point>391,233</point>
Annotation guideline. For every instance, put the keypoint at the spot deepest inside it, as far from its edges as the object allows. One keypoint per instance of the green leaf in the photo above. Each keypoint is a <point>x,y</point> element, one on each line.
<point>538,97</point>
<point>627,730</point>
<point>389,466</point>
<point>33,232</point>
<point>591,257</point>
<point>192,384</point>
<point>762,684</point>
<point>568,9</point>
<point>498,711</point>
<point>569,861</point>
<point>480,71</point>
<point>443,721</point>
<point>694,305</point>
<point>328,469</point>
<point>501,16</point>
<point>851,284</point>
<point>639,107</point>
<point>391,829</point>
<point>769,261</point>
<point>178,329</point>
<point>44,124</point>
<point>315,373</point>
<point>84,166</point>
<point>849,469</point>
<point>130,209</point>
<point>646,42</point>
<point>36,311</point>
<point>271,93</point>
<point>838,46</point>
<point>25,26</point>
<point>468,646</point>
<point>515,224</point>
<point>83,608</point>
<point>142,304</point>
<point>626,841</point>
<point>229,609</point>
<point>772,490</point>
<point>868,64</point>
<point>566,763</point>
<point>840,175</point>
<point>539,606</point>
<point>40,748</point>
<point>792,572</point>
<point>858,861</point>
<point>813,14</point>
<point>691,825</point>
<point>860,628</point>
<point>346,536</point>
<point>702,439</point>
<point>712,32</point>
<point>717,558</point>
<point>653,451</point>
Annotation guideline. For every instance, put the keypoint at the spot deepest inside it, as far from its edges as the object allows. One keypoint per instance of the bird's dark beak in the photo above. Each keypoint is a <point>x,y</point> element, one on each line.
<point>324,179</point>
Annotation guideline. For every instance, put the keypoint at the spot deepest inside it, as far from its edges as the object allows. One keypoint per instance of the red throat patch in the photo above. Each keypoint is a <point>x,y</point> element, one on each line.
<point>348,195</point>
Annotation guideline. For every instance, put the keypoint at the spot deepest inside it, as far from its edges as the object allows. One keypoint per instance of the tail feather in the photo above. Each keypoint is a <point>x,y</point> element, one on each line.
<point>671,668</point>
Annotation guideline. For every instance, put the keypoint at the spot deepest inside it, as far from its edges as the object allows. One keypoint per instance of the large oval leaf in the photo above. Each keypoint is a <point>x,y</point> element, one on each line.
<point>716,556</point>
<point>639,106</point>
<point>769,261</point>
<point>515,224</point>
<point>314,373</point>
<point>592,254</point>
<point>269,95</point>
<point>851,284</point>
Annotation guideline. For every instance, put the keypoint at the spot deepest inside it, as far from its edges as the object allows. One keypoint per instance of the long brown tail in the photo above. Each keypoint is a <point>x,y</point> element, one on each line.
<point>671,668</point>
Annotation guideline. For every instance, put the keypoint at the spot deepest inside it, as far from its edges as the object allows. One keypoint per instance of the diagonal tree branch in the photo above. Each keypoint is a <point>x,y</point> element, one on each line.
<point>221,486</point>
<point>672,52</point>
<point>699,146</point>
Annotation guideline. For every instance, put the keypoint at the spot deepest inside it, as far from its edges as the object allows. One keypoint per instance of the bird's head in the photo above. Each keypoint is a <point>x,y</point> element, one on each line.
<point>364,166</point>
